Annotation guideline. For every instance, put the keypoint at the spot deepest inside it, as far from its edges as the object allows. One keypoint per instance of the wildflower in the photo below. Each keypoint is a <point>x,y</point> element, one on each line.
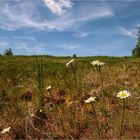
<point>72,60</point>
<point>40,110</point>
<point>49,88</point>
<point>97,63</point>
<point>90,99</point>
<point>123,94</point>
<point>32,114</point>
<point>5,130</point>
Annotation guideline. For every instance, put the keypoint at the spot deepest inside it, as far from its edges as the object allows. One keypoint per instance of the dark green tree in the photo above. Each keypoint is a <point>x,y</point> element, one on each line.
<point>74,55</point>
<point>8,52</point>
<point>136,50</point>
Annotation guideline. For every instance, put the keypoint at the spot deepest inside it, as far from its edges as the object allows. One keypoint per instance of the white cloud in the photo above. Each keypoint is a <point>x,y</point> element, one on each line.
<point>25,15</point>
<point>77,17</point>
<point>21,15</point>
<point>58,7</point>
<point>125,32</point>
<point>68,46</point>
<point>22,47</point>
<point>3,45</point>
<point>82,34</point>
<point>24,38</point>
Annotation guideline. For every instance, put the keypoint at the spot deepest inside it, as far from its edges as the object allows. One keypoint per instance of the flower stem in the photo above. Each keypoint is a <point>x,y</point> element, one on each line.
<point>74,75</point>
<point>102,95</point>
<point>122,122</point>
<point>101,80</point>
<point>97,123</point>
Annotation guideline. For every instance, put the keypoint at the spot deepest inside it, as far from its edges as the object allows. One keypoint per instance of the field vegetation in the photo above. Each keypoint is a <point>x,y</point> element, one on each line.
<point>45,97</point>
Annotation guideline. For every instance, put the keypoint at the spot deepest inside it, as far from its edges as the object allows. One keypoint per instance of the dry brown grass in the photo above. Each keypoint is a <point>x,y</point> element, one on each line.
<point>20,101</point>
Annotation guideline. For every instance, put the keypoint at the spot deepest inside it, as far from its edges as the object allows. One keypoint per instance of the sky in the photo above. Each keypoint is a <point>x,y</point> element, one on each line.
<point>67,27</point>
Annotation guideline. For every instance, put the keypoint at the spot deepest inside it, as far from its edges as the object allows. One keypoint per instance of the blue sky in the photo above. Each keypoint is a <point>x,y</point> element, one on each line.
<point>67,27</point>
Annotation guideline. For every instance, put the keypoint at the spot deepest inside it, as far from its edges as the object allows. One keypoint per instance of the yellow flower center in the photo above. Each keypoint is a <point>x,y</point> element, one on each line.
<point>123,94</point>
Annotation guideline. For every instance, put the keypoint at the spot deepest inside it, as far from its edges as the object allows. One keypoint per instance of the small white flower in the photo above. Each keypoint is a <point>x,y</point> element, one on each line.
<point>32,115</point>
<point>97,63</point>
<point>90,99</point>
<point>40,110</point>
<point>72,60</point>
<point>123,94</point>
<point>5,130</point>
<point>49,88</point>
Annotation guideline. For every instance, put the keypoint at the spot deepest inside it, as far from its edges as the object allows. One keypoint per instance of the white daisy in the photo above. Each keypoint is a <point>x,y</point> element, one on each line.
<point>72,60</point>
<point>49,88</point>
<point>5,130</point>
<point>40,110</point>
<point>90,99</point>
<point>97,63</point>
<point>123,94</point>
<point>32,114</point>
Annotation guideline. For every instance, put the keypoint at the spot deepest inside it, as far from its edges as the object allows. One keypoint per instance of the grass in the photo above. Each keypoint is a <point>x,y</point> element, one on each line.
<point>28,108</point>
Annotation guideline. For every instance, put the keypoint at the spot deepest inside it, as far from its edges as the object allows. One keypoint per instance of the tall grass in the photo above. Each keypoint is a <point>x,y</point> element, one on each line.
<point>40,81</point>
<point>62,113</point>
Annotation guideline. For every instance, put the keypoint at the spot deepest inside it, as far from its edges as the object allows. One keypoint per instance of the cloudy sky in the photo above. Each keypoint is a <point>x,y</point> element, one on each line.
<point>66,27</point>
